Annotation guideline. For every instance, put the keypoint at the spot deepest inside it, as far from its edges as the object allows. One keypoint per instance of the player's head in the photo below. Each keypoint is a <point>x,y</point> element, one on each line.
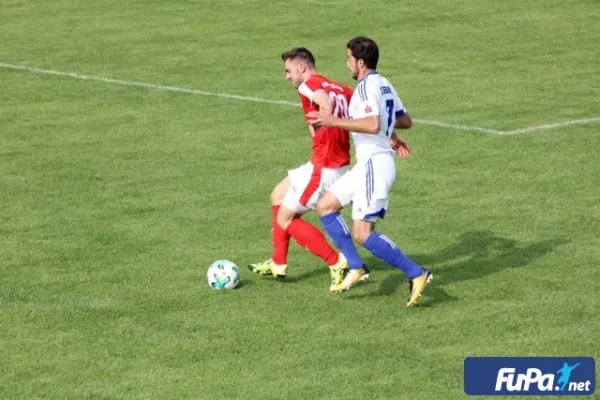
<point>363,55</point>
<point>299,63</point>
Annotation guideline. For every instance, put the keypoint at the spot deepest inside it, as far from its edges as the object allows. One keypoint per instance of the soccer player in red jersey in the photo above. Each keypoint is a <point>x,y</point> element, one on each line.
<point>303,187</point>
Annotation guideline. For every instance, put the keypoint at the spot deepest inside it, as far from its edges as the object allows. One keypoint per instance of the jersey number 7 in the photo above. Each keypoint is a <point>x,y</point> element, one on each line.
<point>389,105</point>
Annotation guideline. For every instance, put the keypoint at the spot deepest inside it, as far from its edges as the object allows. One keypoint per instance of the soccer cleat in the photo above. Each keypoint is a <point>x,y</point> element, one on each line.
<point>269,268</point>
<point>417,285</point>
<point>352,278</point>
<point>366,275</point>
<point>338,271</point>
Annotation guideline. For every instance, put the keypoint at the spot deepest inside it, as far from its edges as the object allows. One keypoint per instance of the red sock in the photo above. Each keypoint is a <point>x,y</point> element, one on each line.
<point>313,240</point>
<point>281,240</point>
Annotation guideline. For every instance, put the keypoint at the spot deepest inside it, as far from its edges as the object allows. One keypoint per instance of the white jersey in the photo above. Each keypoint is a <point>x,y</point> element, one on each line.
<point>374,95</point>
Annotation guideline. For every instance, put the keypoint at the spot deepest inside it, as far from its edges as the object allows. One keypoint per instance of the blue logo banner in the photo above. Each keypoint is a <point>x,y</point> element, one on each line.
<point>523,376</point>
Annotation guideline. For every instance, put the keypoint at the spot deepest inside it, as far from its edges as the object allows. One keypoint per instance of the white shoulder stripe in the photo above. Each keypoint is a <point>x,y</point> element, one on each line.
<point>305,91</point>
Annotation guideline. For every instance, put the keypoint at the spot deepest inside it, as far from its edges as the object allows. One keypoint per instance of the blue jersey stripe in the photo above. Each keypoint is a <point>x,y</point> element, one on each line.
<point>364,89</point>
<point>361,91</point>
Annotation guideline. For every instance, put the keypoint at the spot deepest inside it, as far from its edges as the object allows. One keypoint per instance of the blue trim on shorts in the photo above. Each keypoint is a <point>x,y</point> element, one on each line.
<point>380,214</point>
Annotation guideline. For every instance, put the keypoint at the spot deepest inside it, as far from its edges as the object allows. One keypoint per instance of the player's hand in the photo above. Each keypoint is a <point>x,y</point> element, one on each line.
<point>400,146</point>
<point>319,118</point>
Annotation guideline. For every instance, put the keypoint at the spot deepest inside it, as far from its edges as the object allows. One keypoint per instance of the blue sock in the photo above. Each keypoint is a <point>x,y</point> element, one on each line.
<point>338,231</point>
<point>386,250</point>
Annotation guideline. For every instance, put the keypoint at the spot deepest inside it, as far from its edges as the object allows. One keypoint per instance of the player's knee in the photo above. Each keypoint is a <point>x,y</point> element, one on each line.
<point>282,222</point>
<point>327,204</point>
<point>359,236</point>
<point>321,208</point>
<point>284,218</point>
<point>324,208</point>
<point>276,197</point>
<point>361,230</point>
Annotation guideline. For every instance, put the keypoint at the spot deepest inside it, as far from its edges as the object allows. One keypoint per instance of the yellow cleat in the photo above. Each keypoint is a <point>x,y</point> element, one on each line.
<point>352,278</point>
<point>269,268</point>
<point>417,285</point>
<point>338,271</point>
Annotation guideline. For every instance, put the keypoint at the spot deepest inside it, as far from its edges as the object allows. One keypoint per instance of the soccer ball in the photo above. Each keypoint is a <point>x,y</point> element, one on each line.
<point>223,275</point>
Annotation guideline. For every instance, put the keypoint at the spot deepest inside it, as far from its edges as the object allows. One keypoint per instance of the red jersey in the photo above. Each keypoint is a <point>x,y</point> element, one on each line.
<point>331,146</point>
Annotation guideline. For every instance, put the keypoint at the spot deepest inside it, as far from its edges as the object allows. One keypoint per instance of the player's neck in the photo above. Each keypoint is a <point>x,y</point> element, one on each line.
<point>364,72</point>
<point>308,74</point>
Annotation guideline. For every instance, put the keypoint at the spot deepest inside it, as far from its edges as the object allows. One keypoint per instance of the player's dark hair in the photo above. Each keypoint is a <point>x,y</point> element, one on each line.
<point>364,48</point>
<point>299,53</point>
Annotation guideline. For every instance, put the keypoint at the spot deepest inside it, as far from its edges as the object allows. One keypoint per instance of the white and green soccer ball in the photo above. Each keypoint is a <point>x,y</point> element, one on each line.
<point>223,275</point>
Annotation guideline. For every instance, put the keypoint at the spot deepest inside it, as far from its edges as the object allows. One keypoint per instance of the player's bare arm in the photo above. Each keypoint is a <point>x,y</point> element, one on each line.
<point>403,122</point>
<point>367,125</point>
<point>322,99</point>
<point>325,103</point>
<point>399,145</point>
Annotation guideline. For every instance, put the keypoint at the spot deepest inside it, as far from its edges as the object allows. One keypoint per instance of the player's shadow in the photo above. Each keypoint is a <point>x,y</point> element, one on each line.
<point>316,271</point>
<point>475,255</point>
<point>244,283</point>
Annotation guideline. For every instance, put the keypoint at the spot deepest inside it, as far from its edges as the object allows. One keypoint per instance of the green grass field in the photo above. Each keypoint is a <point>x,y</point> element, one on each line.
<point>114,199</point>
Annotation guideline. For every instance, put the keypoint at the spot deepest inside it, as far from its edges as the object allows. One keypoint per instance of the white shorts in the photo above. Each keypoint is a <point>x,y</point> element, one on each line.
<point>308,184</point>
<point>367,186</point>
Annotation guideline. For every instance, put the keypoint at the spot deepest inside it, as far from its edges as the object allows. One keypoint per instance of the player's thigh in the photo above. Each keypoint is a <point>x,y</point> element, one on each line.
<point>303,187</point>
<point>344,188</point>
<point>371,198</point>
<point>327,201</point>
<point>292,204</point>
<point>330,176</point>
<point>279,191</point>
<point>308,184</point>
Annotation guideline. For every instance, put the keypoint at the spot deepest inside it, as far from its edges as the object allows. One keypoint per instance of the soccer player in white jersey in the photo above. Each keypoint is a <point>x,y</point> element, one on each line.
<point>375,110</point>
